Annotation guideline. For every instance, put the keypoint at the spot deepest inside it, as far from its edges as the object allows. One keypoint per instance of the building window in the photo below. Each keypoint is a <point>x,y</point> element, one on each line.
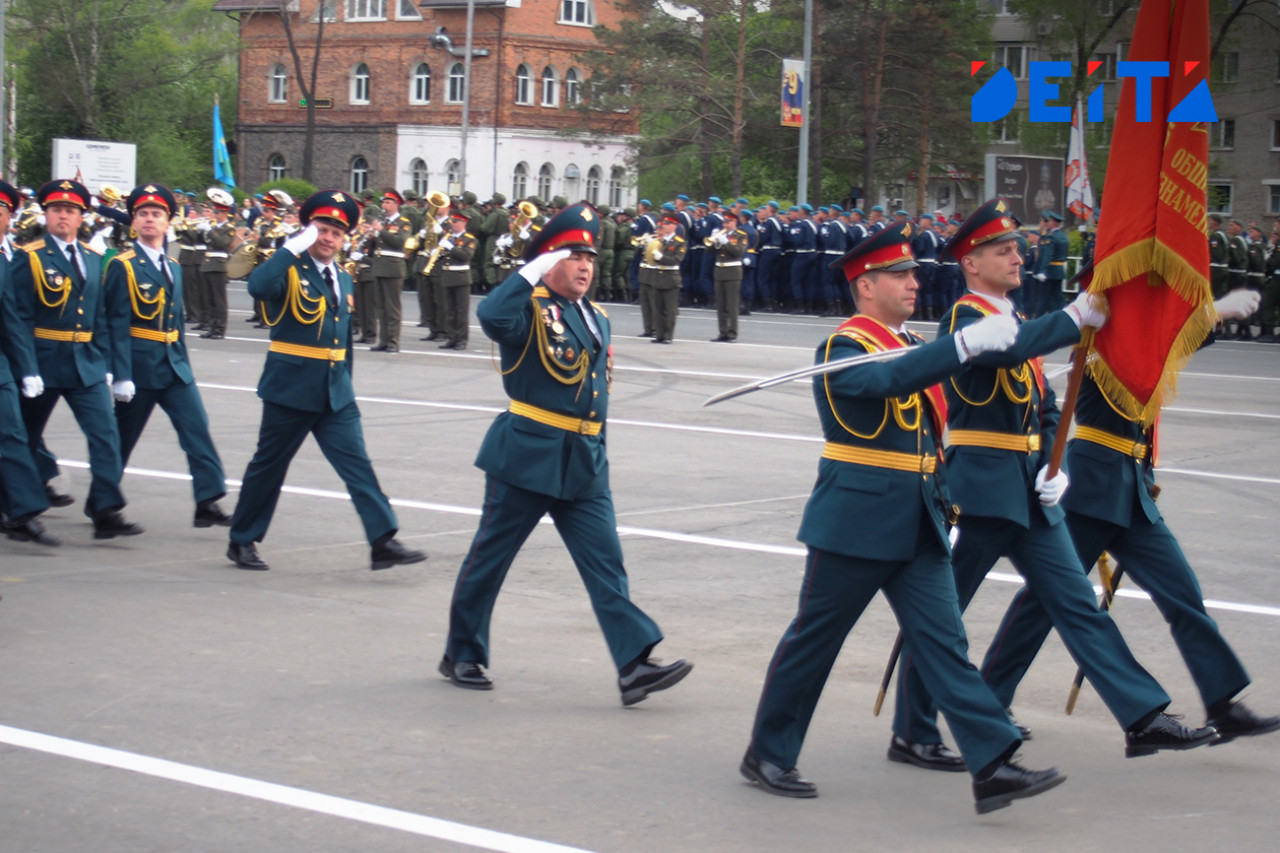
<point>1273,199</point>
<point>1006,129</point>
<point>524,85</point>
<point>360,84</point>
<point>457,84</point>
<point>572,87</point>
<point>520,181</point>
<point>545,175</point>
<point>330,12</point>
<point>1108,69</point>
<point>577,12</point>
<point>550,89</point>
<point>1275,134</point>
<point>1229,66</point>
<point>571,176</point>
<point>366,10</point>
<point>420,93</point>
<point>418,175</point>
<point>275,167</point>
<point>593,185</point>
<point>1222,134</point>
<point>453,174</point>
<point>1220,198</point>
<point>278,88</point>
<point>1013,57</point>
<point>616,176</point>
<point>359,175</point>
<point>1122,51</point>
<point>407,10</point>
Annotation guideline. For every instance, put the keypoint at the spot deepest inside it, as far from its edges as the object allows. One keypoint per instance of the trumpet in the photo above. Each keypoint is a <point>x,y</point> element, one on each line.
<point>641,241</point>
<point>711,241</point>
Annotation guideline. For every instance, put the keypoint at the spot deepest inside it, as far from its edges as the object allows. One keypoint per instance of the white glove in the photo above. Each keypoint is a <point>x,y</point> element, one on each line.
<point>110,378</point>
<point>437,228</point>
<point>300,242</point>
<point>123,390</point>
<point>533,271</point>
<point>32,386</point>
<point>524,233</point>
<point>504,241</point>
<point>497,259</point>
<point>1051,490</point>
<point>355,256</point>
<point>204,227</point>
<point>1040,276</point>
<point>422,235</point>
<point>1088,310</point>
<point>445,245</point>
<point>93,202</point>
<point>1237,304</point>
<point>657,255</point>
<point>721,239</point>
<point>40,219</point>
<point>990,334</point>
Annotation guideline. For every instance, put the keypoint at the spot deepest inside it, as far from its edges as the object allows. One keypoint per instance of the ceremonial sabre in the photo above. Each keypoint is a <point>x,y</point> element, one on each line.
<point>1110,583</point>
<point>811,370</point>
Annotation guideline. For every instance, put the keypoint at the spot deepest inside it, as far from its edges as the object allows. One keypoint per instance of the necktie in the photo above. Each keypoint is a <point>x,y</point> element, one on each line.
<point>583,315</point>
<point>328,287</point>
<point>75,264</point>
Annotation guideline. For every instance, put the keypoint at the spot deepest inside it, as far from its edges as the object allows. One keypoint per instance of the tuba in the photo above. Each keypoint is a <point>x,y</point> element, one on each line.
<point>526,212</point>
<point>425,239</point>
<point>110,195</point>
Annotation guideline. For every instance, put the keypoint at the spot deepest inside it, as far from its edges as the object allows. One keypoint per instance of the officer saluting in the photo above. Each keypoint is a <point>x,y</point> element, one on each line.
<point>306,384</point>
<point>547,455</point>
<point>158,371</point>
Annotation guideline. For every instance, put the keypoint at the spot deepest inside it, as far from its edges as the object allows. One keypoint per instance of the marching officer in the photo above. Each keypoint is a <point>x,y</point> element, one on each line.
<point>730,250</point>
<point>158,371</point>
<point>1271,290</point>
<point>750,261</point>
<point>547,455</point>
<point>1256,279</point>
<point>218,235</point>
<point>389,269</point>
<point>74,335</point>
<point>1051,263</point>
<point>306,385</point>
<point>456,250</point>
<point>642,224</point>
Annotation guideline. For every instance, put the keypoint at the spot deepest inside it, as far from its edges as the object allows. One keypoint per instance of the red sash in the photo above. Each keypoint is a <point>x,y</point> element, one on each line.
<point>878,336</point>
<point>985,308</point>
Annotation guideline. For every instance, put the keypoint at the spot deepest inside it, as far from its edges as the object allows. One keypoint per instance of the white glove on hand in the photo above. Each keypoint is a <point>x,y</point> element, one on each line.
<point>504,241</point>
<point>93,202</point>
<point>1237,304</point>
<point>445,245</point>
<point>524,233</point>
<point>110,378</point>
<point>995,333</point>
<point>533,271</point>
<point>657,255</point>
<point>204,227</point>
<point>498,258</point>
<point>123,390</point>
<point>300,242</point>
<point>1087,310</point>
<point>355,256</point>
<point>40,219</point>
<point>1040,276</point>
<point>722,239</point>
<point>436,227</point>
<point>1051,490</point>
<point>32,386</point>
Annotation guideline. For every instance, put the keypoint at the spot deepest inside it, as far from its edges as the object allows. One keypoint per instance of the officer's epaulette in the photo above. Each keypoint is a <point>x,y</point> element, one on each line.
<point>601,310</point>
<point>679,239</point>
<point>85,247</point>
<point>127,255</point>
<point>33,246</point>
<point>541,292</point>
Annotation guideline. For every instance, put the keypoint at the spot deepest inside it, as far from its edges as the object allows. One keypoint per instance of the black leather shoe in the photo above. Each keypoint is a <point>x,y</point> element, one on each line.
<point>645,335</point>
<point>1165,732</point>
<point>1010,782</point>
<point>650,677</point>
<point>1024,731</point>
<point>214,336</point>
<point>1239,721</point>
<point>57,498</point>
<point>209,513</point>
<point>721,339</point>
<point>465,673</point>
<point>391,553</point>
<point>930,756</point>
<point>446,345</point>
<point>775,780</point>
<point>378,348</point>
<point>246,557</point>
<point>111,524</point>
<point>31,530</point>
<point>368,339</point>
<point>460,345</point>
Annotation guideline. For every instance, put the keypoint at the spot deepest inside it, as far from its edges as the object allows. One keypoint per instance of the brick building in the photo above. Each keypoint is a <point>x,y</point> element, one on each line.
<point>394,71</point>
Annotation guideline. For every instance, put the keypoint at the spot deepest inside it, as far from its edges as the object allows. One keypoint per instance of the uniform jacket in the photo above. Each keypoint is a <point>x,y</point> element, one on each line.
<point>550,360</point>
<point>1106,483</point>
<point>464,248</point>
<point>309,384</point>
<point>999,392</point>
<point>666,272</point>
<point>71,307</point>
<point>1053,255</point>
<point>391,239</point>
<point>155,305</point>
<point>218,239</point>
<point>731,253</point>
<point>873,512</point>
<point>19,348</point>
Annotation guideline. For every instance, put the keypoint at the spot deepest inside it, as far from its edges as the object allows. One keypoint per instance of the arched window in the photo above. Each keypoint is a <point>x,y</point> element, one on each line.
<point>616,177</point>
<point>457,83</point>
<point>545,176</point>
<point>275,167</point>
<point>572,87</point>
<point>420,86</point>
<point>453,173</point>
<point>278,85</point>
<point>577,12</point>
<point>524,85</point>
<point>520,181</point>
<point>360,84</point>
<point>359,175</point>
<point>571,175</point>
<point>550,89</point>
<point>418,175</point>
<point>593,185</point>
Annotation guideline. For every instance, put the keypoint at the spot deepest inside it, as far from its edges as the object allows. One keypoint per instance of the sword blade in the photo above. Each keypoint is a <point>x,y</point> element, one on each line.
<point>804,372</point>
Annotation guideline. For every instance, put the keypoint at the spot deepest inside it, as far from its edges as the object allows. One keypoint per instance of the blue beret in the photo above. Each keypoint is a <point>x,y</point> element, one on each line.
<point>837,208</point>
<point>877,207</point>
<point>669,207</point>
<point>682,197</point>
<point>774,205</point>
<point>807,208</point>
<point>716,199</point>
<point>702,204</point>
<point>646,202</point>
<point>902,213</point>
<point>1051,214</point>
<point>858,211</point>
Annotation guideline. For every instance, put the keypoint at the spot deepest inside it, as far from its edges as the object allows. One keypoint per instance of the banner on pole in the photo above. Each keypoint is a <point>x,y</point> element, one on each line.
<point>1079,189</point>
<point>793,94</point>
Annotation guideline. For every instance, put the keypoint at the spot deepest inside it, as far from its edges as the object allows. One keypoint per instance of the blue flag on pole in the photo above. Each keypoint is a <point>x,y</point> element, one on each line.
<point>221,157</point>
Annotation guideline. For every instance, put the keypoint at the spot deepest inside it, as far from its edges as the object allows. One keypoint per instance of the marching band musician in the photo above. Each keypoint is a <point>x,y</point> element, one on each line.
<point>660,279</point>
<point>730,245</point>
<point>389,269</point>
<point>454,262</point>
<point>218,236</point>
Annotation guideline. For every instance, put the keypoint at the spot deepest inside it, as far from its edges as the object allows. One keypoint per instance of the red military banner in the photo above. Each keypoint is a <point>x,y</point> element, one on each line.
<point>1152,253</point>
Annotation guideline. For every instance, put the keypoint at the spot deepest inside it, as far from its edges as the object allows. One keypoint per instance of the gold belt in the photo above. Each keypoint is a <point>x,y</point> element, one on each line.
<point>893,459</point>
<point>321,353</point>
<point>1136,449</point>
<point>997,440</point>
<point>79,337</point>
<point>168,337</point>
<point>553,419</point>
<point>1057,263</point>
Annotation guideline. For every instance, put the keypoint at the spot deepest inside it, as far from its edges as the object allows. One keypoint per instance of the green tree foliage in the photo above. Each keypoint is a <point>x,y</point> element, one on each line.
<point>299,189</point>
<point>140,71</point>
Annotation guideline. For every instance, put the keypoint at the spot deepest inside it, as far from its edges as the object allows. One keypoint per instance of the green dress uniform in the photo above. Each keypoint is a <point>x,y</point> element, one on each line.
<point>728,283</point>
<point>662,263</point>
<point>1218,272</point>
<point>159,368</point>
<point>454,264</point>
<point>623,252</point>
<point>1051,262</point>
<point>1237,262</point>
<point>1111,507</point>
<point>389,272</point>
<point>602,279</point>
<point>546,455</point>
<point>306,389</point>
<point>191,249</point>
<point>213,274</point>
<point>496,223</point>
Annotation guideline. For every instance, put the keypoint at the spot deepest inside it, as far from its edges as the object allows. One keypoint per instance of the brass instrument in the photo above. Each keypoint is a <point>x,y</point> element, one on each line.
<point>641,241</point>
<point>653,246</point>
<point>710,240</point>
<point>110,195</point>
<point>526,212</point>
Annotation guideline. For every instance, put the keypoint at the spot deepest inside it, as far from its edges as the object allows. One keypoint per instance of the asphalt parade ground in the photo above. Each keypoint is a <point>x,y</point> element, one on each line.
<point>155,698</point>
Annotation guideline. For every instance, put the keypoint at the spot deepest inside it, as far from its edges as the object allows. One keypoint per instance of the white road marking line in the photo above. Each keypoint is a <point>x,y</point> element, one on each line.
<point>256,789</point>
<point>1271,481</point>
<point>676,536</point>
<point>1188,411</point>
